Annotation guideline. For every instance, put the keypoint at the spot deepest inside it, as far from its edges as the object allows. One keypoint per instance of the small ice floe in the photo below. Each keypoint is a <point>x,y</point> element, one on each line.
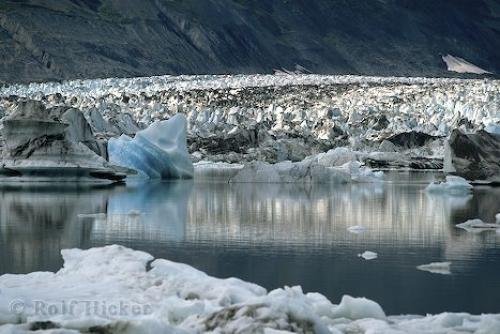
<point>477,225</point>
<point>454,185</point>
<point>92,216</point>
<point>356,229</point>
<point>442,268</point>
<point>368,255</point>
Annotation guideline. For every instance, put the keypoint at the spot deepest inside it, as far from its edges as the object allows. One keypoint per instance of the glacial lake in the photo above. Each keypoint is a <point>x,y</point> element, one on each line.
<point>276,235</point>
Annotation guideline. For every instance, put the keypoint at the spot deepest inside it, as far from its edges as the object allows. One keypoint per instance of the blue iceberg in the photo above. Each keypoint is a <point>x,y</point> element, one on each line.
<point>158,152</point>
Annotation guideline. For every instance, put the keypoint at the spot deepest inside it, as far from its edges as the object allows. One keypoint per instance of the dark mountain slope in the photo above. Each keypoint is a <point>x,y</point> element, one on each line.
<point>60,39</point>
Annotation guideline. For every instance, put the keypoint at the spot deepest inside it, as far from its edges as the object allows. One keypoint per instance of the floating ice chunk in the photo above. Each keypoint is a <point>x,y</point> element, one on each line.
<point>306,171</point>
<point>459,65</point>
<point>358,308</point>
<point>368,255</point>
<point>158,152</point>
<point>356,229</point>
<point>477,225</point>
<point>442,268</point>
<point>454,185</point>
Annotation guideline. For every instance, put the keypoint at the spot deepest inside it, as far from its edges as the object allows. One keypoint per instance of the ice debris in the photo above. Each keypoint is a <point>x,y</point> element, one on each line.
<point>442,268</point>
<point>454,185</point>
<point>158,152</point>
<point>175,298</point>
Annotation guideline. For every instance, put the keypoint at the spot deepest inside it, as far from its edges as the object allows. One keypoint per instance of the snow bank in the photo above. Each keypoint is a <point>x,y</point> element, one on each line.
<point>459,65</point>
<point>109,290</point>
<point>454,185</point>
<point>158,152</point>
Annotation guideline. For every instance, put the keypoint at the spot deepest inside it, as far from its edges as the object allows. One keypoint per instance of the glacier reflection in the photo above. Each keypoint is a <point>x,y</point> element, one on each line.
<point>274,235</point>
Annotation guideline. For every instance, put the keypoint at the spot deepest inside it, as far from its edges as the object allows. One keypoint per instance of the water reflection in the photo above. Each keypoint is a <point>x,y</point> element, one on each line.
<point>275,235</point>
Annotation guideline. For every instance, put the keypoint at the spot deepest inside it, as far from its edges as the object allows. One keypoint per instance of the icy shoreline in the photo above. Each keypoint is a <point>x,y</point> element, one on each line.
<point>110,290</point>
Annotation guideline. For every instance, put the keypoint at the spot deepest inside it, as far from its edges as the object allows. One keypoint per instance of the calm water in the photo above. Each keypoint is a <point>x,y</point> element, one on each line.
<point>277,235</point>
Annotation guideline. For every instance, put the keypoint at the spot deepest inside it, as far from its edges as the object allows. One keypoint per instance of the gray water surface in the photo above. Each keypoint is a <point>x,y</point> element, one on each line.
<point>276,235</point>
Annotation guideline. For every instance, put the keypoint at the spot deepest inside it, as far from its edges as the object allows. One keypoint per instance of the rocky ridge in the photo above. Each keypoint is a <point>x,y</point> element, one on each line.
<point>68,39</point>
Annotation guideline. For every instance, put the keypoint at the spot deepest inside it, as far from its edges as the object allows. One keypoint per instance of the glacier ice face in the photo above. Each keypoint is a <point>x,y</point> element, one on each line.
<point>275,118</point>
<point>176,298</point>
<point>158,152</point>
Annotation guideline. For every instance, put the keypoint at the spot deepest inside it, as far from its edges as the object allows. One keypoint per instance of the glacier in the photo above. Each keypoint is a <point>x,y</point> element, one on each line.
<point>274,118</point>
<point>271,120</point>
<point>110,289</point>
<point>158,152</point>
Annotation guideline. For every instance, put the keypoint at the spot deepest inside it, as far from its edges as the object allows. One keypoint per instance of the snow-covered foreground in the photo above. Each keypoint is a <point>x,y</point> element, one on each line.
<point>110,290</point>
